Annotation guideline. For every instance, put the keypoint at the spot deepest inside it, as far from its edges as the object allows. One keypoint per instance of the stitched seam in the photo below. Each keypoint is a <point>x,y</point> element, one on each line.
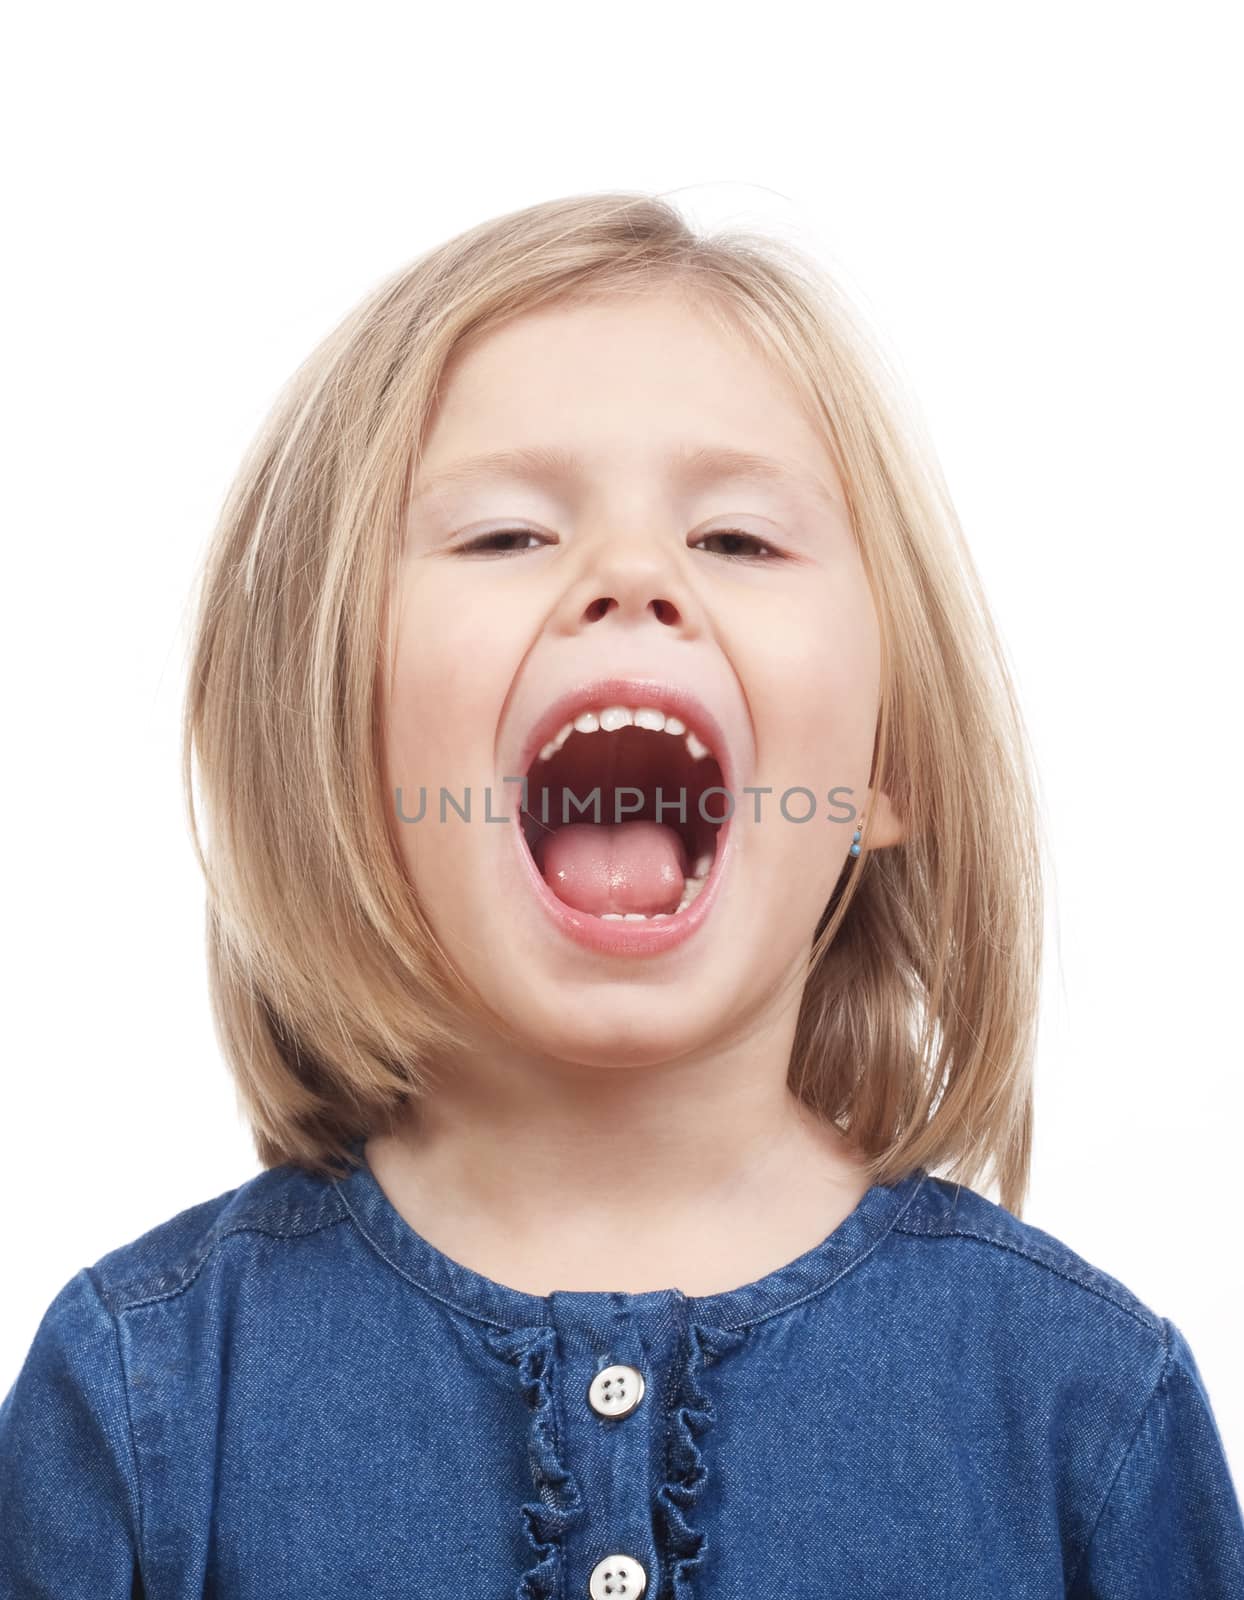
<point>1123,1459</point>
<point>129,1420</point>
<point>1037,1261</point>
<point>824,1288</point>
<point>237,1228</point>
<point>438,1299</point>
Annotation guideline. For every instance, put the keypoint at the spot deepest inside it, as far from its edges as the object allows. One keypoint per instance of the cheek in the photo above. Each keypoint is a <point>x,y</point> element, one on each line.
<point>451,672</point>
<point>812,679</point>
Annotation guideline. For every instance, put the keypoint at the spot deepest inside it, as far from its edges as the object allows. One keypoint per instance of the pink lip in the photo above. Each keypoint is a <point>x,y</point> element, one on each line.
<point>630,938</point>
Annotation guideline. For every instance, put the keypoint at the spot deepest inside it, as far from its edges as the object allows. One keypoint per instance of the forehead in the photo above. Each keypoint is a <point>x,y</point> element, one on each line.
<point>647,386</point>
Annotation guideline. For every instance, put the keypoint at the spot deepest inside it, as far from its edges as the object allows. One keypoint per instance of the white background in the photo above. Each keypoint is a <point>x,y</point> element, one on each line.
<point>1039,209</point>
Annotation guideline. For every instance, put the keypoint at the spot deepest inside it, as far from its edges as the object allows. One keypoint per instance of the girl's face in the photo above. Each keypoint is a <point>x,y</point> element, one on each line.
<point>735,602</point>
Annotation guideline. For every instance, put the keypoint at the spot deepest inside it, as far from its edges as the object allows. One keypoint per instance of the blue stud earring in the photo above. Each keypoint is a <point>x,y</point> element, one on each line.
<point>855,842</point>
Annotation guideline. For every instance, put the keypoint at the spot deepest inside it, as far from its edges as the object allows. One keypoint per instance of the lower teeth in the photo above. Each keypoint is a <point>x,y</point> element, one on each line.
<point>690,890</point>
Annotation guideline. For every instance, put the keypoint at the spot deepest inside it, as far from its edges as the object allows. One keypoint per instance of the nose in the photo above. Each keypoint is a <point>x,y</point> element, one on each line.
<point>633,581</point>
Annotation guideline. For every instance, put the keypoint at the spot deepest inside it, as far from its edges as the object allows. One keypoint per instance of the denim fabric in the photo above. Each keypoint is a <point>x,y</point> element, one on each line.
<point>286,1391</point>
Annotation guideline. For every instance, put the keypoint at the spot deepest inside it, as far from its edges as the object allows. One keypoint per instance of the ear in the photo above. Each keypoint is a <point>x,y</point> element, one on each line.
<point>882,823</point>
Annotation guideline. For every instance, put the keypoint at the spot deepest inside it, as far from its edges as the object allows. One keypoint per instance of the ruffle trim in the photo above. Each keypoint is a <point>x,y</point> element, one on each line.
<point>693,1415</point>
<point>532,1350</point>
<point>560,1503</point>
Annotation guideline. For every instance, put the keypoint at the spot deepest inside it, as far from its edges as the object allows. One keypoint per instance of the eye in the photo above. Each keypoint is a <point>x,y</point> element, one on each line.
<point>508,542</point>
<point>760,551</point>
<point>486,545</point>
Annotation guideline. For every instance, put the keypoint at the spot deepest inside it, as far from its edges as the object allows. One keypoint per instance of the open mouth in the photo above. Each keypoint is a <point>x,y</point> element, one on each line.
<point>617,818</point>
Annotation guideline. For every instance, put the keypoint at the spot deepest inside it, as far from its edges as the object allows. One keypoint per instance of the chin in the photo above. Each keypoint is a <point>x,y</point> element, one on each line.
<point>605,1032</point>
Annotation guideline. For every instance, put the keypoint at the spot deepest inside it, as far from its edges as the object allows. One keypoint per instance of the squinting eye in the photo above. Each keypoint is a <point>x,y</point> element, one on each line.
<point>761,552</point>
<point>484,545</point>
<point>495,544</point>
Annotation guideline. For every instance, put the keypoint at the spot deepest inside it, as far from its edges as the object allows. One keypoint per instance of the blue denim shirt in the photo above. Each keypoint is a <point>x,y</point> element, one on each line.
<point>287,1391</point>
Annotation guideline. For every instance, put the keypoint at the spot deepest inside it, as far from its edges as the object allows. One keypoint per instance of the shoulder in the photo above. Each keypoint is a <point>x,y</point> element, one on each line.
<point>1022,1284</point>
<point>1104,1411</point>
<point>163,1302</point>
<point>117,1399</point>
<point>991,1240</point>
<point>1035,1332</point>
<point>280,1203</point>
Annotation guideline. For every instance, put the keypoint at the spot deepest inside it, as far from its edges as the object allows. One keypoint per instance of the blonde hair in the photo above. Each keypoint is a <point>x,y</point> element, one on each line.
<point>331,997</point>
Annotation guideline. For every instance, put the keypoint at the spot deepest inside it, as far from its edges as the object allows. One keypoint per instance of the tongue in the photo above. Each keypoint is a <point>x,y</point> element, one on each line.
<point>627,866</point>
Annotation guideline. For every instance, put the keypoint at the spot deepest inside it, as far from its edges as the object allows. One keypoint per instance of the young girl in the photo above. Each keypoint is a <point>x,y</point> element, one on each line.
<point>623,894</point>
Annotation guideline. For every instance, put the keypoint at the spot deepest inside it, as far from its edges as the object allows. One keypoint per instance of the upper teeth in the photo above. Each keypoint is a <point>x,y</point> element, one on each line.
<point>611,718</point>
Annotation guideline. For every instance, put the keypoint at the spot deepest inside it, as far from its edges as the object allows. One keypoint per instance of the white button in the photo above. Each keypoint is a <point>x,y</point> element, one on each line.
<point>616,1391</point>
<point>617,1578</point>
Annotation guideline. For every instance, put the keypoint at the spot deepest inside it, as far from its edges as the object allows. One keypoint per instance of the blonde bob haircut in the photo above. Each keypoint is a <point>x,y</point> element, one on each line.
<point>332,1000</point>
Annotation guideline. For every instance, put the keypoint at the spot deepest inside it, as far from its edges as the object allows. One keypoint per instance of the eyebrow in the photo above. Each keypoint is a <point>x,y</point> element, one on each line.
<point>694,464</point>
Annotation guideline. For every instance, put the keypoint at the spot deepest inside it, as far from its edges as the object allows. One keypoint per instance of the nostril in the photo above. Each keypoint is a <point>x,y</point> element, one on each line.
<point>665,610</point>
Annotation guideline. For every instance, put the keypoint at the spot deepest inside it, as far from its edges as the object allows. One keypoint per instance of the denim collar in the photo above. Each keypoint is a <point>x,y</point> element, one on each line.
<point>812,1273</point>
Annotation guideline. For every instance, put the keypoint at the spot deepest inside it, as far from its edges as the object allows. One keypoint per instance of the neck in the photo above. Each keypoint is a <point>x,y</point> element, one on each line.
<point>527,1166</point>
